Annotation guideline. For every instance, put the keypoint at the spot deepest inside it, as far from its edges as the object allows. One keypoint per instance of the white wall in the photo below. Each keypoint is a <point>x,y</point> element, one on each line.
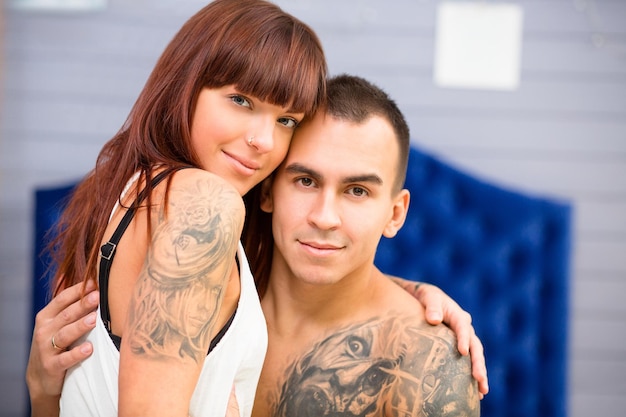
<point>70,79</point>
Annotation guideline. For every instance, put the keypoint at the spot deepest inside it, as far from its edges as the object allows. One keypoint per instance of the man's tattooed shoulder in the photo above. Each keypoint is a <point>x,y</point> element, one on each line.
<point>392,366</point>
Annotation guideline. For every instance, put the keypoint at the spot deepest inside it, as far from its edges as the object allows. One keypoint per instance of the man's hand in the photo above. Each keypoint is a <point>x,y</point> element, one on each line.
<point>441,308</point>
<point>66,318</point>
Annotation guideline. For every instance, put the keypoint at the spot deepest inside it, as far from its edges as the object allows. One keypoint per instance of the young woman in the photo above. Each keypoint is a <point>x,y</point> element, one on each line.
<point>159,219</point>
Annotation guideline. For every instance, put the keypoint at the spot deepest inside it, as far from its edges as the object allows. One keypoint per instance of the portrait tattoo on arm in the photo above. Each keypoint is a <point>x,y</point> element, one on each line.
<point>381,368</point>
<point>176,300</point>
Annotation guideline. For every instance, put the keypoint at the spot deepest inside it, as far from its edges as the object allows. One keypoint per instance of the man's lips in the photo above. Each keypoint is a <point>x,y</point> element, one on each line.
<point>321,247</point>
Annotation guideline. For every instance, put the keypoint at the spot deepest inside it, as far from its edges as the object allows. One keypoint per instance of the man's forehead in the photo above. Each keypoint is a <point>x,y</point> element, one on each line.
<point>341,150</point>
<point>324,129</point>
<point>325,132</point>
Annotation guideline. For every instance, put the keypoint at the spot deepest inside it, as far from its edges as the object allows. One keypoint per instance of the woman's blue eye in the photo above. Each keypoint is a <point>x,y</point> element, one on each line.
<point>240,101</point>
<point>288,121</point>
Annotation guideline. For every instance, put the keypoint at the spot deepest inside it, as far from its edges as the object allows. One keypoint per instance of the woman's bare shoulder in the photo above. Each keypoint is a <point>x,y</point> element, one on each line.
<point>202,189</point>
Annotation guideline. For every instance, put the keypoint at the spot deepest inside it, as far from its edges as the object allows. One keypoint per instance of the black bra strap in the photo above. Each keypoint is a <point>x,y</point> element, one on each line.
<point>107,251</point>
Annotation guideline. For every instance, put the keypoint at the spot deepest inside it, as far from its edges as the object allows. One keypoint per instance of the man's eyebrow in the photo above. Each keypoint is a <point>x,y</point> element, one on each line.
<point>297,168</point>
<point>371,178</point>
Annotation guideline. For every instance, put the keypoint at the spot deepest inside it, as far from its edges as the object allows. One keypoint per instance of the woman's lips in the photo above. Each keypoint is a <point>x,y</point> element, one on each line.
<point>242,165</point>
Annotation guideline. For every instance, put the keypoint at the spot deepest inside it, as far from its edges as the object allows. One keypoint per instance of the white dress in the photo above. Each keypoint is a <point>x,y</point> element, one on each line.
<point>91,388</point>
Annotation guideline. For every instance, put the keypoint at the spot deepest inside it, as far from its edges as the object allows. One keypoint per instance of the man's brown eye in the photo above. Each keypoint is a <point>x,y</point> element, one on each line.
<point>307,182</point>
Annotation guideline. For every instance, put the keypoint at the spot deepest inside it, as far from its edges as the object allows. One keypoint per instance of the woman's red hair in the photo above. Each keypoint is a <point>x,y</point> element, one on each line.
<point>251,44</point>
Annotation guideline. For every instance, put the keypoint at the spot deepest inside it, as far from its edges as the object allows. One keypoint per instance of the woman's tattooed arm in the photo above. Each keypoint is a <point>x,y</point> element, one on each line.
<point>383,367</point>
<point>178,295</point>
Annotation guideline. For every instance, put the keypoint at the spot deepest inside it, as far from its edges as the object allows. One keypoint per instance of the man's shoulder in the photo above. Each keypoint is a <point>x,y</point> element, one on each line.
<point>388,365</point>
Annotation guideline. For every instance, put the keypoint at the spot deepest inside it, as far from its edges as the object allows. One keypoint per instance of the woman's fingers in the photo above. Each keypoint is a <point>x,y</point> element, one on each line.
<point>440,307</point>
<point>75,320</point>
<point>70,333</point>
<point>479,367</point>
<point>65,319</point>
<point>68,297</point>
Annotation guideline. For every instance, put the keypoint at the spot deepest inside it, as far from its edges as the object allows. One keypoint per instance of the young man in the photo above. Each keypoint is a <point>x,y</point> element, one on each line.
<point>343,338</point>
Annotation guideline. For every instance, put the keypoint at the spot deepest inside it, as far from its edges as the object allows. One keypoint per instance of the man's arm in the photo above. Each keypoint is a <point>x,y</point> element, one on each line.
<point>66,318</point>
<point>440,308</point>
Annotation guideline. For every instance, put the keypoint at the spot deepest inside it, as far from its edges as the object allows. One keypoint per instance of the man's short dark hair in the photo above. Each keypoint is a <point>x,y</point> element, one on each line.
<point>354,99</point>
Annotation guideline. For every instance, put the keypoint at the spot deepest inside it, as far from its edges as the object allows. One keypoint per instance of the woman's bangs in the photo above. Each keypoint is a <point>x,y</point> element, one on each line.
<point>297,88</point>
<point>282,69</point>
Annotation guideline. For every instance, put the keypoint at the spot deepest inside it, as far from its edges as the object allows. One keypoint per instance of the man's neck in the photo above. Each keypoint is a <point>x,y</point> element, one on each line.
<point>291,304</point>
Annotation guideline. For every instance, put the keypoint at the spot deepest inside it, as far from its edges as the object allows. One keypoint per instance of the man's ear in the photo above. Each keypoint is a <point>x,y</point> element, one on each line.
<point>267,201</point>
<point>398,214</point>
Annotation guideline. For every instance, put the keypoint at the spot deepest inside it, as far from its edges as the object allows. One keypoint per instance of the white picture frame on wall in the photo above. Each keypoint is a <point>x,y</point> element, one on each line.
<point>58,5</point>
<point>478,45</point>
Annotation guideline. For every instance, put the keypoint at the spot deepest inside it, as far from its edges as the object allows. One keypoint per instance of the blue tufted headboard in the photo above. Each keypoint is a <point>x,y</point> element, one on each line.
<point>49,203</point>
<point>503,257</point>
